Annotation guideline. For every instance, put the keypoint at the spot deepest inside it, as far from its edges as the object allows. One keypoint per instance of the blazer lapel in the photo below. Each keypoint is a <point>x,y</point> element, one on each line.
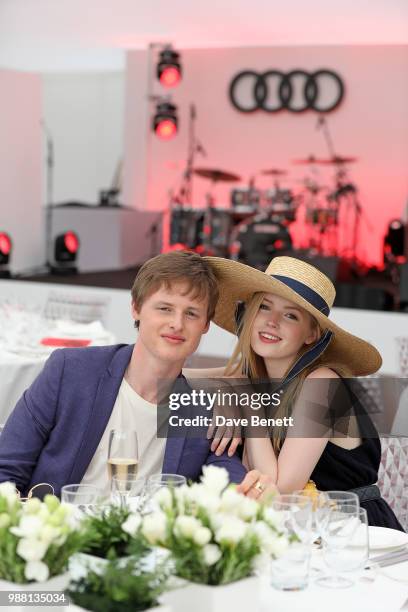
<point>101,411</point>
<point>172,455</point>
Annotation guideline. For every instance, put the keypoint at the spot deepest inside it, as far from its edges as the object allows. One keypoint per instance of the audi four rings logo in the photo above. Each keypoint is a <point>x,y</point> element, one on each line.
<point>295,91</point>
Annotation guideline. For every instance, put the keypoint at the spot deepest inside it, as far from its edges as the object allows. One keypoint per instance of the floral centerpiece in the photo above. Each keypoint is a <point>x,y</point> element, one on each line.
<point>120,588</point>
<point>107,534</point>
<point>36,538</point>
<point>215,535</point>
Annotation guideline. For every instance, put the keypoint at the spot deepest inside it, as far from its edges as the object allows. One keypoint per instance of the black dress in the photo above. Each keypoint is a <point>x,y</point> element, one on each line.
<point>339,469</point>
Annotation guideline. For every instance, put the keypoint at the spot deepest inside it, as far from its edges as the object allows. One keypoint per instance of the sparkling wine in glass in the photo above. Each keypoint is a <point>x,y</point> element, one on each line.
<point>123,457</point>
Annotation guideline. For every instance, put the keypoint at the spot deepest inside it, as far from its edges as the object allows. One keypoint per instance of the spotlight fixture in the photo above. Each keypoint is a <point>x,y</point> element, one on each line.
<point>165,120</point>
<point>395,238</point>
<point>5,250</point>
<point>169,68</point>
<point>65,253</point>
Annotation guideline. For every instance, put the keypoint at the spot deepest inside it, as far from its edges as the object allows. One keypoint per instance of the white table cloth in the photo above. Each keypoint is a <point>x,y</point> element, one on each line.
<point>22,356</point>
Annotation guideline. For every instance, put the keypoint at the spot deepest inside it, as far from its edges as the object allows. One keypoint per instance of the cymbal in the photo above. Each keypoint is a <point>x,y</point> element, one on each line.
<point>274,172</point>
<point>338,159</point>
<point>308,160</point>
<point>216,175</point>
<point>335,160</point>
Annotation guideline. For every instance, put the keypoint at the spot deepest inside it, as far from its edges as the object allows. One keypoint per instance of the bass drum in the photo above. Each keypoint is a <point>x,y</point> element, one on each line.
<point>186,226</point>
<point>256,241</point>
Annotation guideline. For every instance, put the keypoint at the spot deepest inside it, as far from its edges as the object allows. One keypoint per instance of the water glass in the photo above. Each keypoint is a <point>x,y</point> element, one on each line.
<point>337,535</point>
<point>157,482</point>
<point>290,571</point>
<point>84,497</point>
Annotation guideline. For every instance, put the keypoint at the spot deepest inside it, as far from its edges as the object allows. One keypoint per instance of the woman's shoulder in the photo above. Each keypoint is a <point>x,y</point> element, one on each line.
<point>322,372</point>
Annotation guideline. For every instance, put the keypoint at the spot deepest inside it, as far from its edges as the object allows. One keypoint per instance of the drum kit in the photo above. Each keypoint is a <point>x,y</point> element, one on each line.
<point>256,224</point>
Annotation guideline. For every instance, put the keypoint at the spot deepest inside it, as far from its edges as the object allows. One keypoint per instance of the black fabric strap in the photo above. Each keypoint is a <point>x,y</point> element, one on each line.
<point>366,494</point>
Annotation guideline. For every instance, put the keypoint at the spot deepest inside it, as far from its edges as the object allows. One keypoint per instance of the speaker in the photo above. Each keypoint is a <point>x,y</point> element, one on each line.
<point>366,298</point>
<point>404,286</point>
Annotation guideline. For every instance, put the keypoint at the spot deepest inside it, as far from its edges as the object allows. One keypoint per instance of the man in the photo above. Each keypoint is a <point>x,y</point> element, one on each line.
<point>59,430</point>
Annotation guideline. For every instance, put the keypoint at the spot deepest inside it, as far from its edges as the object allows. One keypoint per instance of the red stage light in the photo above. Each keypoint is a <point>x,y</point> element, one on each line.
<point>170,76</point>
<point>5,244</point>
<point>169,68</point>
<point>166,129</point>
<point>71,242</point>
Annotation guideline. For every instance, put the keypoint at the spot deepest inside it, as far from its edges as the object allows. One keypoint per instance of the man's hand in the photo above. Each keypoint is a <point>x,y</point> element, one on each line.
<point>258,486</point>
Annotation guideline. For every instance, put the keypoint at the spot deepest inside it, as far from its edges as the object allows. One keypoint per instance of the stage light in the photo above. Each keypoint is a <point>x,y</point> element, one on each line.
<point>5,250</point>
<point>65,253</point>
<point>395,238</point>
<point>165,120</point>
<point>169,68</point>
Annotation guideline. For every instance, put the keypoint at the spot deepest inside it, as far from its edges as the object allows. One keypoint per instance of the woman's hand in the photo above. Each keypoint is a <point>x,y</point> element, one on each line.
<point>258,486</point>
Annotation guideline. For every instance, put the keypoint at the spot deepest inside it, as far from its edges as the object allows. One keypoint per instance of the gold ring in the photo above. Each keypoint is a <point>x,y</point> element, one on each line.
<point>259,486</point>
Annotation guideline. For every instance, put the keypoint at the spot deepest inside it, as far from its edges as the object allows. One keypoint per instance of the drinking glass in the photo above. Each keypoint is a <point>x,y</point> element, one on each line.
<point>127,491</point>
<point>350,560</point>
<point>123,457</point>
<point>156,482</point>
<point>290,571</point>
<point>337,534</point>
<point>84,497</point>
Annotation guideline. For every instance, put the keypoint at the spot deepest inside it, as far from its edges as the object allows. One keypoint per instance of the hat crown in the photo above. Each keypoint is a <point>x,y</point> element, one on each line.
<point>303,272</point>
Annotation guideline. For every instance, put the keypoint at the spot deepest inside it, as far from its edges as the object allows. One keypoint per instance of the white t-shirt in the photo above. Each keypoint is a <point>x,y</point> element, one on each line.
<point>130,411</point>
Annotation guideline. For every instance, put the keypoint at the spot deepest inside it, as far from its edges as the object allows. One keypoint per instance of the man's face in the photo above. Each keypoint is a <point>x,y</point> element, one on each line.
<point>171,322</point>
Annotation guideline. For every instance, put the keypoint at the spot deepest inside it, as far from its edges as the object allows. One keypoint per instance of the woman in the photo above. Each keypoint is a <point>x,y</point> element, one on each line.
<point>284,334</point>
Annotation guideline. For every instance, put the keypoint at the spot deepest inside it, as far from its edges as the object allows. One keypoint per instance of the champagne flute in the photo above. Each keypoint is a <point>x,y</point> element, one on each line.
<point>123,457</point>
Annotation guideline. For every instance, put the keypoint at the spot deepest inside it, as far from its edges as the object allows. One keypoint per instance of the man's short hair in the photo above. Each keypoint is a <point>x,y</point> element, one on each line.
<point>177,266</point>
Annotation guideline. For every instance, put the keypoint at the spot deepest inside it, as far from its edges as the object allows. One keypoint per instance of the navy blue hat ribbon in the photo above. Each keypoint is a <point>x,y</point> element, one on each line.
<point>305,292</point>
<point>311,355</point>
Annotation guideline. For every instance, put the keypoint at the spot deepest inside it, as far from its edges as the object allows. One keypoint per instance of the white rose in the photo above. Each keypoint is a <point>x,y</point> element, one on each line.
<point>9,492</point>
<point>36,570</point>
<point>202,536</point>
<point>274,519</point>
<point>30,526</point>
<point>203,497</point>
<point>186,526</point>
<point>248,508</point>
<point>231,531</point>
<point>214,478</point>
<point>211,554</point>
<point>154,527</point>
<point>269,541</point>
<point>32,506</point>
<point>50,534</point>
<point>230,500</point>
<point>164,498</point>
<point>31,549</point>
<point>132,524</point>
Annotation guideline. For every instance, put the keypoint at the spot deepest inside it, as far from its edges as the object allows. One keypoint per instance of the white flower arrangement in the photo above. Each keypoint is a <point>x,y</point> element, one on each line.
<point>36,538</point>
<point>215,535</point>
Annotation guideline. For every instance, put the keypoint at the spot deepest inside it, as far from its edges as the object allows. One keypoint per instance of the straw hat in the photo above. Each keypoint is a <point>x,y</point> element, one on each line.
<point>298,282</point>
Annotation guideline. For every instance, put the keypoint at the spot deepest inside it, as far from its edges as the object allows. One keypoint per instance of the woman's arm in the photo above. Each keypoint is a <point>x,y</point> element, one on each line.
<point>299,455</point>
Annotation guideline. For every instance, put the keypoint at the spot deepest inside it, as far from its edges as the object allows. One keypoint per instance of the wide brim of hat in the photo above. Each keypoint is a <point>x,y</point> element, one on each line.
<point>238,282</point>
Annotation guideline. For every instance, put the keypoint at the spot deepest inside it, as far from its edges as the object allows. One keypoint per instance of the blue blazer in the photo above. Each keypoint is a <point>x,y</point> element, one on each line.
<point>56,426</point>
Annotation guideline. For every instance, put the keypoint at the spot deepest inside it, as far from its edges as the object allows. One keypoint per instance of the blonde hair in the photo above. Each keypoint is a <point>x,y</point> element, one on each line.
<point>245,361</point>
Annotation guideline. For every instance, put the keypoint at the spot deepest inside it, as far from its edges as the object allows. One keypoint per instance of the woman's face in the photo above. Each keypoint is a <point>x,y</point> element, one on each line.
<point>280,330</point>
